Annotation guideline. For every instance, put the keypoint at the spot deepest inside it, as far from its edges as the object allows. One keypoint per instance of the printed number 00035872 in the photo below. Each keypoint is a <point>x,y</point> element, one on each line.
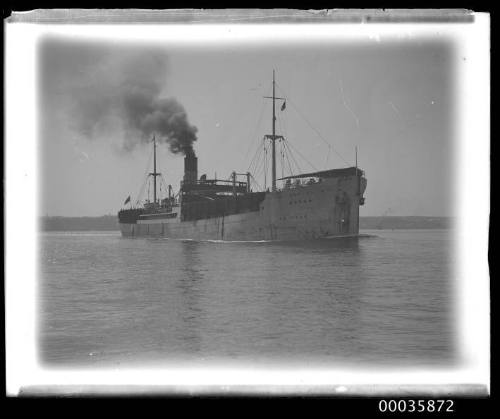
<point>410,405</point>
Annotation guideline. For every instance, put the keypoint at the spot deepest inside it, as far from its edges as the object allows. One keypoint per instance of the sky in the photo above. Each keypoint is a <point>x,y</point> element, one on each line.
<point>101,102</point>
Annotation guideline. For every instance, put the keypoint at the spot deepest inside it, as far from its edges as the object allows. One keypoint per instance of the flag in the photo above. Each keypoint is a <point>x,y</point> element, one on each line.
<point>283,107</point>
<point>127,200</point>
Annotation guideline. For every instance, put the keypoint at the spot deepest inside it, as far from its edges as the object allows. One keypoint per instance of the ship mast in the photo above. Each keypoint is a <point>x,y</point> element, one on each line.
<point>274,137</point>
<point>154,174</point>
<point>154,170</point>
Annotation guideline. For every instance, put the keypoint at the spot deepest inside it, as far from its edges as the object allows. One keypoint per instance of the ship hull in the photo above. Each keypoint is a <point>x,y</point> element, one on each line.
<point>236,228</point>
<point>328,209</point>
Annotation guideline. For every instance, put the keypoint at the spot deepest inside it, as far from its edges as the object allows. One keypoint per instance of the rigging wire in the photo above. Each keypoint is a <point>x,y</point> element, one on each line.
<point>265,166</point>
<point>146,177</point>
<point>254,161</point>
<point>293,157</point>
<point>260,166</point>
<point>281,140</point>
<point>286,148</point>
<point>310,125</point>
<point>289,165</point>
<point>259,169</point>
<point>258,161</point>
<point>159,171</point>
<point>283,127</point>
<point>301,155</point>
<point>328,156</point>
<point>282,158</point>
<point>289,142</point>
<point>259,149</point>
<point>255,181</point>
<point>254,135</point>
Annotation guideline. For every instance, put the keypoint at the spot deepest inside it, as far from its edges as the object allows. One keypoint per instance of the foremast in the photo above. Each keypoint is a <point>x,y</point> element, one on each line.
<point>155,173</point>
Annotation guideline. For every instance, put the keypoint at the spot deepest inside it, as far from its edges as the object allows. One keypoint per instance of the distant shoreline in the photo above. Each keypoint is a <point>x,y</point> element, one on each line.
<point>110,223</point>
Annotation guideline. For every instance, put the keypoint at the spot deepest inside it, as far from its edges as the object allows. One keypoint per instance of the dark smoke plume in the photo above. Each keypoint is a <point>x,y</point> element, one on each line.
<point>112,91</point>
<point>166,118</point>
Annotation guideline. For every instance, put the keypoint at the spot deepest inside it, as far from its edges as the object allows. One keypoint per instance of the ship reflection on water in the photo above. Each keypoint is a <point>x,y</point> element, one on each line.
<point>381,300</point>
<point>188,330</point>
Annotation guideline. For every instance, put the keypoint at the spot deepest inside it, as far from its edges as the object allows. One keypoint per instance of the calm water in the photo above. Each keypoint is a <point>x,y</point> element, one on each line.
<point>379,300</point>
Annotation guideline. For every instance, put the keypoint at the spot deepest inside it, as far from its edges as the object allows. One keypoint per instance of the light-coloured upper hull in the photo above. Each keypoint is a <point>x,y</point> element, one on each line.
<point>238,227</point>
<point>322,210</point>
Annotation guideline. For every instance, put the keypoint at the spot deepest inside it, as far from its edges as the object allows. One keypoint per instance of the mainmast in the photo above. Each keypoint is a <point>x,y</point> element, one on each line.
<point>274,137</point>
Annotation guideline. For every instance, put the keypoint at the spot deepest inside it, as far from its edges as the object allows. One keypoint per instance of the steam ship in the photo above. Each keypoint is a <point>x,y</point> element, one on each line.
<point>314,205</point>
